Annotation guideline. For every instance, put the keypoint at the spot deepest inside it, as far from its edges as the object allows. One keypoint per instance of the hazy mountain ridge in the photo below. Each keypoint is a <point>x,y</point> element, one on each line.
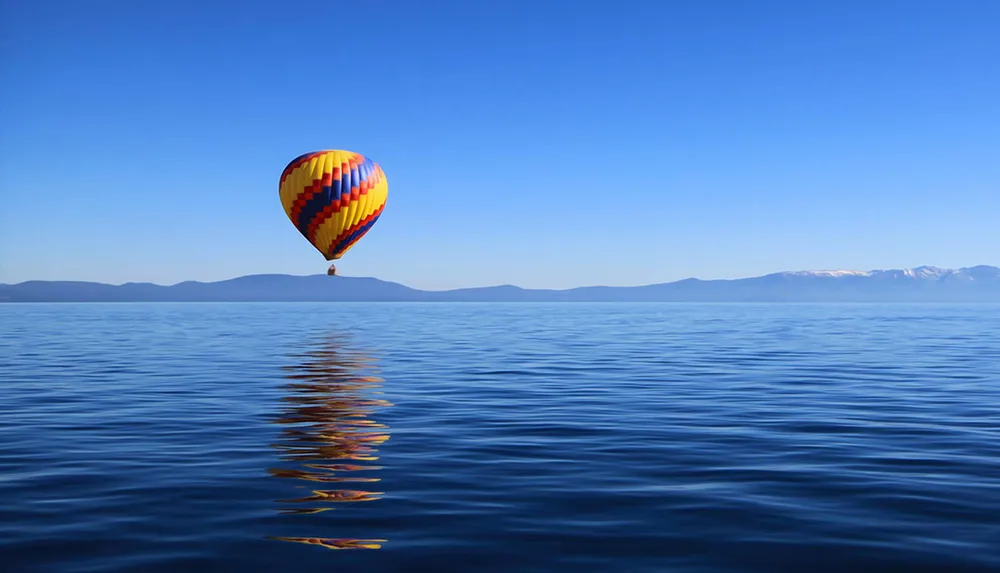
<point>921,284</point>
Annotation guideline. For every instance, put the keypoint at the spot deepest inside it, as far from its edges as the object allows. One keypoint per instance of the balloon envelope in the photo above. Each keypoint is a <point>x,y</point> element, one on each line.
<point>333,197</point>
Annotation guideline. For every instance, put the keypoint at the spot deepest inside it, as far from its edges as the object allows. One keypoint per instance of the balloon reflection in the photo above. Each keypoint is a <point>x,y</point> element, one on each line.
<point>327,433</point>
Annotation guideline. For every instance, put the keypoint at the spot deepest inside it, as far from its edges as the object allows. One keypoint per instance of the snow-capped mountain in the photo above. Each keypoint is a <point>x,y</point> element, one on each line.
<point>828,274</point>
<point>982,272</point>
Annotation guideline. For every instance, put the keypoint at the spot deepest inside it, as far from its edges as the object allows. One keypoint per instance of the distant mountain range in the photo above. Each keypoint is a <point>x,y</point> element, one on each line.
<point>921,284</point>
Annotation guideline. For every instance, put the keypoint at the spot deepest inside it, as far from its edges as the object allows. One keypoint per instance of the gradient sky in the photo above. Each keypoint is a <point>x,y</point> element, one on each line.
<point>543,144</point>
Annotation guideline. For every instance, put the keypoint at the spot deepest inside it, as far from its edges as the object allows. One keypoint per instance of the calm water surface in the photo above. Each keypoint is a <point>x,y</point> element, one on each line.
<point>507,437</point>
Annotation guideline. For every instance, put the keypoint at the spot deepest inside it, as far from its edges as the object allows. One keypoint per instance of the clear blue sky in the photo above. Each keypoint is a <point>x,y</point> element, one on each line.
<point>539,143</point>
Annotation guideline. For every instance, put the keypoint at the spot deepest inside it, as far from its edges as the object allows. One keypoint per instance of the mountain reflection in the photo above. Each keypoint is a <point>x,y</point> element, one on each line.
<point>328,434</point>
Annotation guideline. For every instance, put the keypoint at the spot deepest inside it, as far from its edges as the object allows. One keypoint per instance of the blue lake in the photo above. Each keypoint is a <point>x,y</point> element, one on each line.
<point>503,437</point>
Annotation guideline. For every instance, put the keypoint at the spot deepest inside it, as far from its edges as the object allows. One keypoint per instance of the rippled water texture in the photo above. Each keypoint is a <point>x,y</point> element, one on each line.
<point>475,437</point>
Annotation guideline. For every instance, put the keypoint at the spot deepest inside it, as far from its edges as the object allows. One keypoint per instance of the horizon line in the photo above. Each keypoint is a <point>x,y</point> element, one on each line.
<point>508,285</point>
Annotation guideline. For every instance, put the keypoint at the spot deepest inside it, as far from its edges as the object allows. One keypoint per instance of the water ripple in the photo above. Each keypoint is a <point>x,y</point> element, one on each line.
<point>574,437</point>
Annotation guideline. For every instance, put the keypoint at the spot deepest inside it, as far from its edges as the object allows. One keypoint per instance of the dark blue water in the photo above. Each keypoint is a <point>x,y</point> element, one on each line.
<point>468,437</point>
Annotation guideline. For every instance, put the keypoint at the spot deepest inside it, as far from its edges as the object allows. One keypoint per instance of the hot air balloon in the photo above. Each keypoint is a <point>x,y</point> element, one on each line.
<point>333,197</point>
